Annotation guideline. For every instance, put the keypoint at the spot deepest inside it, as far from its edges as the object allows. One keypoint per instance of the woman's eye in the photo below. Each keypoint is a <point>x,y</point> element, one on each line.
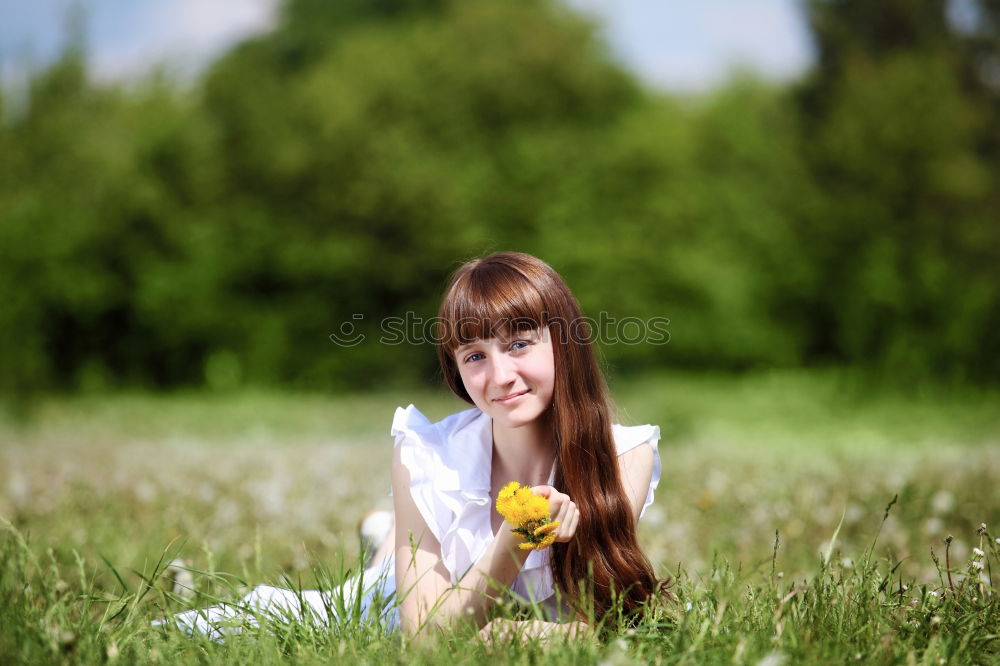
<point>520,344</point>
<point>472,357</point>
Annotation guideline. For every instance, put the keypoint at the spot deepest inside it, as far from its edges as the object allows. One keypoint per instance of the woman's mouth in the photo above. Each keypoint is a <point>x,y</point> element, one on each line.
<point>509,398</point>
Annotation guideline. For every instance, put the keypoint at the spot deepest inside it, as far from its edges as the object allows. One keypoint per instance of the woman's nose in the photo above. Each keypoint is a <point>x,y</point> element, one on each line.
<point>502,369</point>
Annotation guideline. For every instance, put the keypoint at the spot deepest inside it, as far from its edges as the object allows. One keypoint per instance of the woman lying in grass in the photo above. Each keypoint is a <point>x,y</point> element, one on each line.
<point>512,341</point>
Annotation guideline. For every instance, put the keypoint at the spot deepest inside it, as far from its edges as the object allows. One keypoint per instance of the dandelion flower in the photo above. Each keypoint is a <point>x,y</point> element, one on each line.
<point>546,542</point>
<point>547,528</point>
<point>530,515</point>
<point>508,490</point>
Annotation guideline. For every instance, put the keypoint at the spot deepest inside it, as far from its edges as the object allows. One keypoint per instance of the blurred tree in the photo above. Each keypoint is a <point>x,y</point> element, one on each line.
<point>687,213</point>
<point>364,176</point>
<point>95,202</point>
<point>333,172</point>
<point>907,242</point>
<point>978,29</point>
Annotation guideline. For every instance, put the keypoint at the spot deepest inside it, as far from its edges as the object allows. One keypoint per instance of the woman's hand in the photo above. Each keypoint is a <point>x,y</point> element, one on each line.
<point>562,509</point>
<point>498,630</point>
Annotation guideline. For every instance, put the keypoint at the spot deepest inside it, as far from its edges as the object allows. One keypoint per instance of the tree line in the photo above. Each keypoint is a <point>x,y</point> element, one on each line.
<point>331,173</point>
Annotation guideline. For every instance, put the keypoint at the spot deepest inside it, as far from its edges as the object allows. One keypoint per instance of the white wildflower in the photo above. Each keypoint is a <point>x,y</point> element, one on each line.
<point>977,552</point>
<point>976,564</point>
<point>772,659</point>
<point>182,582</point>
<point>933,526</point>
<point>942,502</point>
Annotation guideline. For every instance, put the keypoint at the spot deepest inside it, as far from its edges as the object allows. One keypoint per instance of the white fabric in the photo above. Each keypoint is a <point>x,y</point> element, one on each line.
<point>450,468</point>
<point>282,605</point>
<point>450,465</point>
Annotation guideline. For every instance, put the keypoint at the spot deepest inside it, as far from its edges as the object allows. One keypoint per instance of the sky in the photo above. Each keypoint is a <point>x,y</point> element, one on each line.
<point>675,45</point>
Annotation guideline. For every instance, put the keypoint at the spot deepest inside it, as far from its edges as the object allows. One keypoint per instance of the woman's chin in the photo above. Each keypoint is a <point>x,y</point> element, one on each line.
<point>517,418</point>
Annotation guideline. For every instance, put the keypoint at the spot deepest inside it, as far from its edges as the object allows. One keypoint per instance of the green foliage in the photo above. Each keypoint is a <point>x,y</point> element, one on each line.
<point>96,214</point>
<point>700,208</point>
<point>899,141</point>
<point>343,164</point>
<point>910,202</point>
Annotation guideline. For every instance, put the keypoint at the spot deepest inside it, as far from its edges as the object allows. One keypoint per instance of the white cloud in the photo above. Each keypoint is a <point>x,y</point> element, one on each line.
<point>693,45</point>
<point>181,33</point>
<point>764,34</point>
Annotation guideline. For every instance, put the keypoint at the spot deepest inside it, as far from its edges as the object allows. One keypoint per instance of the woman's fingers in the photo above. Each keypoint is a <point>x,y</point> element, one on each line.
<point>556,499</point>
<point>567,527</point>
<point>574,521</point>
<point>561,509</point>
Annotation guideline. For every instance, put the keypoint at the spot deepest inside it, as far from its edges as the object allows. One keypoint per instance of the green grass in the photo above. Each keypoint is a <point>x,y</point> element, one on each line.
<point>98,494</point>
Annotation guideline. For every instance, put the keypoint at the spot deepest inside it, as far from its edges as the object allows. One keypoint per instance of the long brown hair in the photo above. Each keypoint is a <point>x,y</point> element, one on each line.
<point>508,291</point>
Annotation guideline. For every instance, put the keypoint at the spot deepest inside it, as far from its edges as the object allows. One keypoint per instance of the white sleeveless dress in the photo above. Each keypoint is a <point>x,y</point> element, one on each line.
<point>450,465</point>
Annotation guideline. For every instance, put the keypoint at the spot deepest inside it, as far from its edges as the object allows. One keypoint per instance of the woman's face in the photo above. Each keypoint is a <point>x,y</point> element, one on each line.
<point>511,380</point>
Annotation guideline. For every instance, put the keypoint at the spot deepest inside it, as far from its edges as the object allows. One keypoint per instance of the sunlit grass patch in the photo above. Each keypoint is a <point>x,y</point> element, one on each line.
<point>103,496</point>
<point>726,614</point>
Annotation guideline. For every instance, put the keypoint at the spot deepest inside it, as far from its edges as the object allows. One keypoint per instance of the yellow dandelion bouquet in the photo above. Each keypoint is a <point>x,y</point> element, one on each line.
<point>529,514</point>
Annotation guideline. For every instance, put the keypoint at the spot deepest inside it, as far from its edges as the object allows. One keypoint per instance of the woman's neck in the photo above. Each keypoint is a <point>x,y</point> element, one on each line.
<point>527,449</point>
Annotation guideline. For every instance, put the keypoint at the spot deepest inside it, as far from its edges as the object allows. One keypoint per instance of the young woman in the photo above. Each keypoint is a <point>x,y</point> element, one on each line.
<point>513,343</point>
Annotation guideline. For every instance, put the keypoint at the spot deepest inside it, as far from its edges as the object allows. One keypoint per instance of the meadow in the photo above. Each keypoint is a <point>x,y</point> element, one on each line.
<point>805,517</point>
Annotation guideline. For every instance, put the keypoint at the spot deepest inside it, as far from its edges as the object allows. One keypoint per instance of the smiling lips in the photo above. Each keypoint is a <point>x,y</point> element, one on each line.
<point>510,397</point>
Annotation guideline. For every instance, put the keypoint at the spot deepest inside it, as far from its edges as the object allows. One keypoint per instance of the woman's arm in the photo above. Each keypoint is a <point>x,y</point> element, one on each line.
<point>422,581</point>
<point>636,468</point>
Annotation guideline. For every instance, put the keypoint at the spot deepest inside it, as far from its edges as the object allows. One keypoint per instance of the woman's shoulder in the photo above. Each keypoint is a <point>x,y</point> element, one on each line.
<point>410,421</point>
<point>451,454</point>
<point>629,437</point>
